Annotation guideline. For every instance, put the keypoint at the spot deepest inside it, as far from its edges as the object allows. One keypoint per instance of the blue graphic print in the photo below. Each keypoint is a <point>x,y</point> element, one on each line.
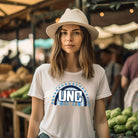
<point>70,92</point>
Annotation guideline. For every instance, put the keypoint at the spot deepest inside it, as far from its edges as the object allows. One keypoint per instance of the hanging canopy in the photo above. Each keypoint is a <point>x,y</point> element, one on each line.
<point>18,14</point>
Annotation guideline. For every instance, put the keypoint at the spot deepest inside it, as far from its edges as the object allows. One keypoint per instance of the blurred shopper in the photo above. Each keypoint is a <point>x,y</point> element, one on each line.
<point>129,81</point>
<point>15,62</point>
<point>131,96</point>
<point>68,94</point>
<point>30,64</point>
<point>7,59</point>
<point>117,53</point>
<point>112,69</point>
<point>129,70</point>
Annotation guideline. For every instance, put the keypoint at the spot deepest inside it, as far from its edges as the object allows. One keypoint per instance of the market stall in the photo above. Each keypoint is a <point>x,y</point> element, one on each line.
<point>16,106</point>
<point>14,86</point>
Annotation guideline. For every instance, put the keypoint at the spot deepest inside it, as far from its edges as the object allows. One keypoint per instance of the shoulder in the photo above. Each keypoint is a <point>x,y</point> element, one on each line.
<point>98,68</point>
<point>130,58</point>
<point>42,67</point>
<point>99,71</point>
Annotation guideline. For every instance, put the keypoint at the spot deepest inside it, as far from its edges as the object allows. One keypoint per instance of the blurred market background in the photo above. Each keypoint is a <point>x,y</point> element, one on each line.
<point>23,31</point>
<point>23,24</point>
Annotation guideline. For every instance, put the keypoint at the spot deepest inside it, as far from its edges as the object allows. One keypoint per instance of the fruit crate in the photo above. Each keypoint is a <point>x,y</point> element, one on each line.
<point>14,105</point>
<point>26,118</point>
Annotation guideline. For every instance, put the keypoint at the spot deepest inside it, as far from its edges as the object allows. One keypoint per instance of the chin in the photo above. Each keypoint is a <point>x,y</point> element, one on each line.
<point>71,52</point>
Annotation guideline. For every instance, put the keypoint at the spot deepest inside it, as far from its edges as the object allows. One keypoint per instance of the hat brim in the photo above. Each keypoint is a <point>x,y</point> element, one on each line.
<point>51,29</point>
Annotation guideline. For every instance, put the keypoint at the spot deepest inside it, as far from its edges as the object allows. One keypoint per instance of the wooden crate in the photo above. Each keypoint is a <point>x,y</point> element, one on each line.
<point>26,117</point>
<point>1,121</point>
<point>14,105</point>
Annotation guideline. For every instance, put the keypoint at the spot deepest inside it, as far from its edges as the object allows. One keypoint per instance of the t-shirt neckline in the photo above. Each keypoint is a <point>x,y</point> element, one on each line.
<point>73,73</point>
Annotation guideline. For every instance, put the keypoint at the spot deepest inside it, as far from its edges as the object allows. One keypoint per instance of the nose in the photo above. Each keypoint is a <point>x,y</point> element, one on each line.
<point>69,37</point>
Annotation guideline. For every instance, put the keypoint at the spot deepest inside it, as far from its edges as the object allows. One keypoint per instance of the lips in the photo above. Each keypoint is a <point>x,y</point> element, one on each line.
<point>70,45</point>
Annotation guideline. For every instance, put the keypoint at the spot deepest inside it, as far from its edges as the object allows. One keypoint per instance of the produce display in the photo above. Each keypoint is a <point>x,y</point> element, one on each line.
<point>6,93</point>
<point>16,79</point>
<point>15,84</point>
<point>14,88</point>
<point>123,122</point>
<point>4,68</point>
<point>21,93</point>
<point>22,74</point>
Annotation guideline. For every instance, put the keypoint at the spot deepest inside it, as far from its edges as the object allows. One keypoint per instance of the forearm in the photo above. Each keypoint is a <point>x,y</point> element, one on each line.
<point>102,130</point>
<point>33,128</point>
<point>124,82</point>
<point>100,120</point>
<point>36,117</point>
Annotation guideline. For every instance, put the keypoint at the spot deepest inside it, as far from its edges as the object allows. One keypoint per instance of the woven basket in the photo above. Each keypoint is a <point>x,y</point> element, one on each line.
<point>4,68</point>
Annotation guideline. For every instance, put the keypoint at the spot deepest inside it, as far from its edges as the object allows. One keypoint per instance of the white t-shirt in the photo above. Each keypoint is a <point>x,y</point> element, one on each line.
<point>69,101</point>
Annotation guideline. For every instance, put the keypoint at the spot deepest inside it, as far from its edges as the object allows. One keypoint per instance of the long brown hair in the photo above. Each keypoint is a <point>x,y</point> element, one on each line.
<point>85,56</point>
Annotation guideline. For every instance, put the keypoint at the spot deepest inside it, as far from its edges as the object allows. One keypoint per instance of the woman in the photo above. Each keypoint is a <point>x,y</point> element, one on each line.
<point>68,94</point>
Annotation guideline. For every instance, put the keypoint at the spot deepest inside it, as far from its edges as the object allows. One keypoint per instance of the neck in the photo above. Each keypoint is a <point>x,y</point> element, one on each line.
<point>72,63</point>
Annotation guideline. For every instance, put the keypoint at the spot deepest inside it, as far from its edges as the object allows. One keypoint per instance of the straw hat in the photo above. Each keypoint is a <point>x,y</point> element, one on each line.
<point>72,16</point>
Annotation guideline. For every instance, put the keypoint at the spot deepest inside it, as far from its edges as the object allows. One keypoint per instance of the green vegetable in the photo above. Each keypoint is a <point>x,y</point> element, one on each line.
<point>121,119</point>
<point>136,134</point>
<point>111,130</point>
<point>20,91</point>
<point>25,95</point>
<point>127,111</point>
<point>135,114</point>
<point>135,127</point>
<point>130,124</point>
<point>133,118</point>
<point>108,113</point>
<point>27,110</point>
<point>111,122</point>
<point>129,133</point>
<point>119,128</point>
<point>115,112</point>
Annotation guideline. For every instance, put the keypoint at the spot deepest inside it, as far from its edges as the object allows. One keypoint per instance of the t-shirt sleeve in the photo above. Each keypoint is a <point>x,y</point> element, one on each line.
<point>36,87</point>
<point>103,88</point>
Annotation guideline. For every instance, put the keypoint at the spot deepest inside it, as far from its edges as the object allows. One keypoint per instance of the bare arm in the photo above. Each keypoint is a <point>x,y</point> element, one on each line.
<point>36,117</point>
<point>124,82</point>
<point>100,120</point>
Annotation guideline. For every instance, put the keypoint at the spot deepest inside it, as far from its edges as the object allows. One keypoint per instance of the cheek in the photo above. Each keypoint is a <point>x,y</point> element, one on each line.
<point>79,42</point>
<point>61,41</point>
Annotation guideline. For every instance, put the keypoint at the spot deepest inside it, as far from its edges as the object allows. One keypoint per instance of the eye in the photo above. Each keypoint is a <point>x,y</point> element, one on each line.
<point>63,32</point>
<point>77,33</point>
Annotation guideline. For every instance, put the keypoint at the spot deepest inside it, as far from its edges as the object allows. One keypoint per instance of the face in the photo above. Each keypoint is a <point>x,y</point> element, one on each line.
<point>105,58</point>
<point>71,38</point>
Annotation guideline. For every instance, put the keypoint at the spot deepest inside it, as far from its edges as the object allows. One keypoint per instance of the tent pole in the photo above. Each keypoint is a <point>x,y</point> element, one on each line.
<point>33,36</point>
<point>17,38</point>
<point>87,11</point>
<point>79,4</point>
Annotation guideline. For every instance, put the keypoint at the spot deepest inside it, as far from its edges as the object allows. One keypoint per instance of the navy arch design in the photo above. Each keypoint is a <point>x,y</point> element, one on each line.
<point>56,98</point>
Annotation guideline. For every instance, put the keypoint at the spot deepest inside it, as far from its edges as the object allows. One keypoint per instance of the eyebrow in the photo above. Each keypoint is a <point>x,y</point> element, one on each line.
<point>72,30</point>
